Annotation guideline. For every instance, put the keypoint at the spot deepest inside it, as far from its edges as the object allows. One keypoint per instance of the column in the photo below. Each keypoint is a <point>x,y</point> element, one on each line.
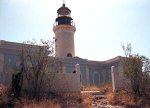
<point>87,76</point>
<point>113,78</point>
<point>77,68</point>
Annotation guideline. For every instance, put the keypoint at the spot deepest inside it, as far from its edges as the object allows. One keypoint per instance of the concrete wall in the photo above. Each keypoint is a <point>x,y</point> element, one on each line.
<point>118,79</point>
<point>1,68</point>
<point>67,82</point>
<point>61,82</point>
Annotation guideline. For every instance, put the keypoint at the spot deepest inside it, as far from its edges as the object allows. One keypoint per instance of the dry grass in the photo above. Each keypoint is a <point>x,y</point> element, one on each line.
<point>87,100</point>
<point>120,98</point>
<point>72,100</point>
<point>68,100</point>
<point>124,98</point>
<point>41,104</point>
<point>3,89</point>
<point>90,88</point>
<point>106,88</point>
<point>3,94</point>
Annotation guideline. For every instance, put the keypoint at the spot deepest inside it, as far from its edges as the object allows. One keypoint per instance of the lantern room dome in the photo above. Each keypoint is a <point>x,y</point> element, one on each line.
<point>64,16</point>
<point>64,11</point>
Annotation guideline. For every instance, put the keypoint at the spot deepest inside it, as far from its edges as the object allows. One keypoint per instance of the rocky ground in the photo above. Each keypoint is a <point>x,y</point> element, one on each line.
<point>103,103</point>
<point>100,100</point>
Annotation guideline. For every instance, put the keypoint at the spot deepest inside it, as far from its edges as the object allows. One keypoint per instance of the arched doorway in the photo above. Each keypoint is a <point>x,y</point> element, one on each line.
<point>69,55</point>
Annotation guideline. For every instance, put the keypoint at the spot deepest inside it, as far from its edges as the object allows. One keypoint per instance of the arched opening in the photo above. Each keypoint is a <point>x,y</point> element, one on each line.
<point>69,55</point>
<point>96,78</point>
<point>74,72</point>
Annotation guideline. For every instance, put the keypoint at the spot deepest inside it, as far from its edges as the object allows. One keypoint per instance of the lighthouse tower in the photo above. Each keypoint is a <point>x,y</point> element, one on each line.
<point>64,30</point>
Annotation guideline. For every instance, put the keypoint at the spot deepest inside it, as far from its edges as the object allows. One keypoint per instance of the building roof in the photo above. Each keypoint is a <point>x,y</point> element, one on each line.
<point>64,10</point>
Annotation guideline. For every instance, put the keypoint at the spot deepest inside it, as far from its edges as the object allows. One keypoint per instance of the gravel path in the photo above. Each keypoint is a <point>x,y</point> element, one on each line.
<point>106,106</point>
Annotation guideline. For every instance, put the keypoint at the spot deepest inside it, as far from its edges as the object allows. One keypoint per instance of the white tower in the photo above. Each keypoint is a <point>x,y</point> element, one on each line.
<point>64,30</point>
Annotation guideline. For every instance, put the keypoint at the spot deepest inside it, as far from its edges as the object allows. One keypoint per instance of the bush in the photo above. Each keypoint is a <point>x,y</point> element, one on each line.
<point>41,104</point>
<point>3,94</point>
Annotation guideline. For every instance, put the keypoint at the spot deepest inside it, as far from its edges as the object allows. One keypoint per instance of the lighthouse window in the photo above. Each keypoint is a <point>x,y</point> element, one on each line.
<point>69,55</point>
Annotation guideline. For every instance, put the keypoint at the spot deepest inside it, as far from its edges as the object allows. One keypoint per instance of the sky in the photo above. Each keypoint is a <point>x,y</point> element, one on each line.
<point>101,25</point>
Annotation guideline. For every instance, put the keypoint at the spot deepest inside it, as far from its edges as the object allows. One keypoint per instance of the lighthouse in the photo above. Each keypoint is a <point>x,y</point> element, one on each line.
<point>64,29</point>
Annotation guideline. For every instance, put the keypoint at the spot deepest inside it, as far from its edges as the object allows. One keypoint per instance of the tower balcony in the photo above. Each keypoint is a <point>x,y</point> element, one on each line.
<point>71,24</point>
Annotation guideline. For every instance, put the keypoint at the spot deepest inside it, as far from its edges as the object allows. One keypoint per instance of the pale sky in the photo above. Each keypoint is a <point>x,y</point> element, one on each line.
<point>101,24</point>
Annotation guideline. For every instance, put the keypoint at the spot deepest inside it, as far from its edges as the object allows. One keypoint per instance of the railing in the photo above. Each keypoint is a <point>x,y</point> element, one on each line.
<point>71,23</point>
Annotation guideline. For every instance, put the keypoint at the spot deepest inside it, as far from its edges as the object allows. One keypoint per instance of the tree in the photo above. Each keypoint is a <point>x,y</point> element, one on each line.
<point>37,62</point>
<point>145,86</point>
<point>133,69</point>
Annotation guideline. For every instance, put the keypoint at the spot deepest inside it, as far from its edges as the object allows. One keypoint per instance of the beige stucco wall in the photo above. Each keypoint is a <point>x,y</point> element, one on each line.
<point>118,78</point>
<point>67,82</point>
<point>64,40</point>
<point>60,82</point>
